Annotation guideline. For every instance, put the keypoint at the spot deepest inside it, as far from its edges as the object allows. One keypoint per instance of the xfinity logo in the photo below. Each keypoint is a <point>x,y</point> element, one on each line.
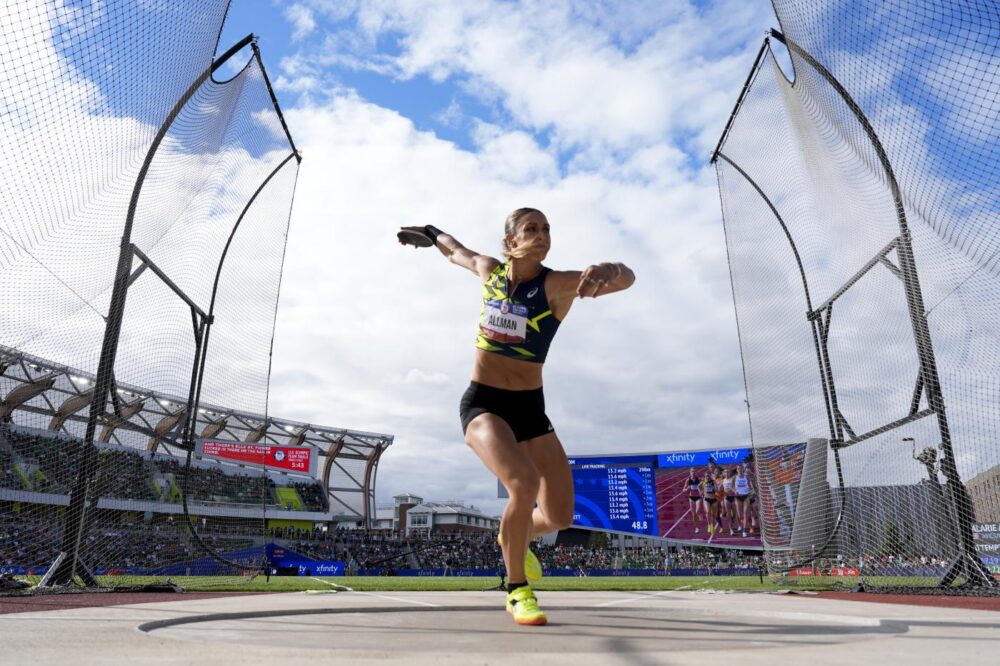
<point>728,454</point>
<point>679,457</point>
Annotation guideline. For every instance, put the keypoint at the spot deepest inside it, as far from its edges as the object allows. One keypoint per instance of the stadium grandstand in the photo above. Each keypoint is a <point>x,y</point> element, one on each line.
<point>445,552</point>
<point>159,502</point>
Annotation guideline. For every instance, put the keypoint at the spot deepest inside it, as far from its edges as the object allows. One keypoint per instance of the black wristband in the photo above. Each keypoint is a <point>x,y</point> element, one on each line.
<point>432,233</point>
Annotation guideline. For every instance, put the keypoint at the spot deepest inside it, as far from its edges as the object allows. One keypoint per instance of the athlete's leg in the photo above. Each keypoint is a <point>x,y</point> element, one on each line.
<point>555,493</point>
<point>493,441</point>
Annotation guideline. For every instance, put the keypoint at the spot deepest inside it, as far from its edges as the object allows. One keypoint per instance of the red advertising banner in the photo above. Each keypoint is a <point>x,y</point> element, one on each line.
<point>300,459</point>
<point>836,571</point>
<point>845,571</point>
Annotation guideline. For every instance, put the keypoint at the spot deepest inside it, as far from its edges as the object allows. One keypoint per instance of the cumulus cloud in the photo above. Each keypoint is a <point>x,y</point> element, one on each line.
<point>301,17</point>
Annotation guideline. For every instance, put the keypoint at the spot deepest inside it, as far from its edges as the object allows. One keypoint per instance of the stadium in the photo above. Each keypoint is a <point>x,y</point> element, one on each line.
<point>183,299</point>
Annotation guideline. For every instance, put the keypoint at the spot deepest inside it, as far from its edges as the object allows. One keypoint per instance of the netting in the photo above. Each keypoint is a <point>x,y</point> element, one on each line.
<point>142,233</point>
<point>861,205</point>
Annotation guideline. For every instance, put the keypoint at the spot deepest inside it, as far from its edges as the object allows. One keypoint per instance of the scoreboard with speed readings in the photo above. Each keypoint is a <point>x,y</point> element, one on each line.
<point>619,493</point>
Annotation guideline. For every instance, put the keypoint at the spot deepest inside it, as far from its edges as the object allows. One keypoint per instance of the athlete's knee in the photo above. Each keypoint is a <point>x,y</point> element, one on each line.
<point>561,518</point>
<point>524,485</point>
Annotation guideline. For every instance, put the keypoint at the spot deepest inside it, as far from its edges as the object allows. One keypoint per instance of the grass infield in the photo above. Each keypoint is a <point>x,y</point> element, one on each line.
<point>453,584</point>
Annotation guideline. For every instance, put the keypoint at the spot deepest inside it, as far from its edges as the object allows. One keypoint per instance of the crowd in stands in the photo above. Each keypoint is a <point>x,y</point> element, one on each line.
<point>360,550</point>
<point>48,464</point>
<point>32,541</point>
<point>313,495</point>
<point>214,485</point>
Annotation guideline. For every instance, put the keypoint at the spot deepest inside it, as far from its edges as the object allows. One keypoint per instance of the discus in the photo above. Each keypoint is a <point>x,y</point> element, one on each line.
<point>414,238</point>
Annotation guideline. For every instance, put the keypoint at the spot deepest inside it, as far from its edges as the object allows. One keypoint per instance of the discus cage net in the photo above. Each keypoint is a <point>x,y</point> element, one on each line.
<point>147,189</point>
<point>860,183</point>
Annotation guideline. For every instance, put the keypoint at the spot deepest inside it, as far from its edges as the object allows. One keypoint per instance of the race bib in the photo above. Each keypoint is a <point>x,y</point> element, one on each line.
<point>503,321</point>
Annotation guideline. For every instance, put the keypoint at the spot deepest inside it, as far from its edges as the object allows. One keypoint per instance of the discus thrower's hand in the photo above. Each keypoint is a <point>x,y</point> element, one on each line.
<point>593,280</point>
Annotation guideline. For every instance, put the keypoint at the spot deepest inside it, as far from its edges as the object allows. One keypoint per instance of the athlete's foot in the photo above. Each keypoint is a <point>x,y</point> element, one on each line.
<point>523,607</point>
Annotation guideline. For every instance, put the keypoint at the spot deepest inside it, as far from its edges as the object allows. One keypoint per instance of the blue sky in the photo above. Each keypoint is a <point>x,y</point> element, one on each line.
<point>419,98</point>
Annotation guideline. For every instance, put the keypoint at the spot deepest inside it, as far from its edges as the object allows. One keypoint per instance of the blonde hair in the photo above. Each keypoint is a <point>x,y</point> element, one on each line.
<point>510,229</point>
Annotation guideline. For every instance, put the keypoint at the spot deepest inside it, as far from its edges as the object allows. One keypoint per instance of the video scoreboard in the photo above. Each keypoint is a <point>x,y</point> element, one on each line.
<point>615,493</point>
<point>636,493</point>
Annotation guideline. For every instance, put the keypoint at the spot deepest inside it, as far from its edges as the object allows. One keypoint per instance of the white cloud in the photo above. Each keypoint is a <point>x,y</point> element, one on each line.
<point>301,17</point>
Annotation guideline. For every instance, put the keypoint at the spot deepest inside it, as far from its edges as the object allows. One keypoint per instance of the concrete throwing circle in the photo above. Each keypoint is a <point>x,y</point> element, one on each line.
<point>572,630</point>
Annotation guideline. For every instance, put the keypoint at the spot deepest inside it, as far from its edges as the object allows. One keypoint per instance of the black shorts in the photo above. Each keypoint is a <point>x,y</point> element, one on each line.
<point>730,498</point>
<point>742,498</point>
<point>524,411</point>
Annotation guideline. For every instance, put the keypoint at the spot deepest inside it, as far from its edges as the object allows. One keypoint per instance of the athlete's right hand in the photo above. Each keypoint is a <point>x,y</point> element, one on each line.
<point>414,236</point>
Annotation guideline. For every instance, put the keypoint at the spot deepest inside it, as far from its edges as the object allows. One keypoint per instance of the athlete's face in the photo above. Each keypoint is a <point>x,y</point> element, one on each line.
<point>532,230</point>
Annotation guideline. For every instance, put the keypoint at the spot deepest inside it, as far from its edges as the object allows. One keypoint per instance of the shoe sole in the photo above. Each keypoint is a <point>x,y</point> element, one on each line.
<point>537,622</point>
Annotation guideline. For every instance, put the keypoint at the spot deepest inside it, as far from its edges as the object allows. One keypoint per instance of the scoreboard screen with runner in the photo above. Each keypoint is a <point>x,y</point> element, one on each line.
<point>650,494</point>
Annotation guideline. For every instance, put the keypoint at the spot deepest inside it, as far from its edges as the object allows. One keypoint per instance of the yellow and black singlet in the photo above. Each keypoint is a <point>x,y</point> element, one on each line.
<point>519,325</point>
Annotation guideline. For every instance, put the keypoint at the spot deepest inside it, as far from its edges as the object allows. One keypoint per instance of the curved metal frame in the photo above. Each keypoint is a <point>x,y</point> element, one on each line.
<point>66,569</point>
<point>199,365</point>
<point>967,563</point>
<point>826,377</point>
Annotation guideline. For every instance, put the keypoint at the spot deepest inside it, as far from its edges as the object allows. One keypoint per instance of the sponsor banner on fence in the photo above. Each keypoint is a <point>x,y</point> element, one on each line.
<point>315,567</point>
<point>301,459</point>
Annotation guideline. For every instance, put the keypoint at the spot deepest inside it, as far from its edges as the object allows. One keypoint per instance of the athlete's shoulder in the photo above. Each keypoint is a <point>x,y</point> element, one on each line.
<point>489,268</point>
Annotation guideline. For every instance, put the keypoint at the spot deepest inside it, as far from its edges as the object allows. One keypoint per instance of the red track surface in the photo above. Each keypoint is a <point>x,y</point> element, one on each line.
<point>674,517</point>
<point>47,602</point>
<point>969,603</point>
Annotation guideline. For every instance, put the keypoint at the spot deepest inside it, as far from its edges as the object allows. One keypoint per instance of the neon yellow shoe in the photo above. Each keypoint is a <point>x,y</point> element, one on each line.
<point>523,607</point>
<point>532,567</point>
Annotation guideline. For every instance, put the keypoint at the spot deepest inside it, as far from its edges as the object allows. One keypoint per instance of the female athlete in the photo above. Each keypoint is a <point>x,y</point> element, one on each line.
<point>503,410</point>
<point>694,498</point>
